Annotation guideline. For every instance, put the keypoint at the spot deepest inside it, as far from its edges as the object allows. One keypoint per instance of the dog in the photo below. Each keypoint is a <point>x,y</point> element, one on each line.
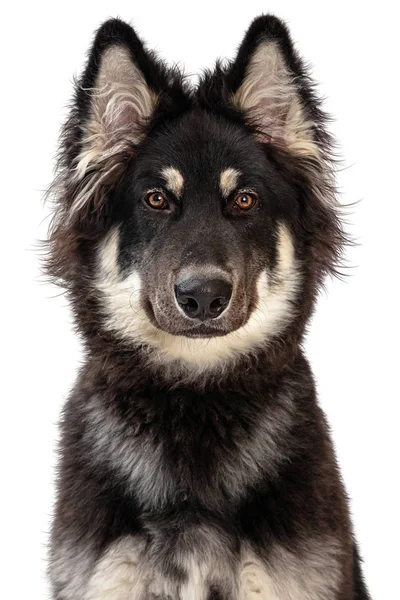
<point>193,227</point>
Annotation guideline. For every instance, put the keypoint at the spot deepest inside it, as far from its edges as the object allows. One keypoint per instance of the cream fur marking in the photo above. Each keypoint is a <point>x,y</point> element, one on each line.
<point>270,98</point>
<point>228,181</point>
<point>122,574</point>
<point>174,180</point>
<point>125,315</point>
<point>129,570</point>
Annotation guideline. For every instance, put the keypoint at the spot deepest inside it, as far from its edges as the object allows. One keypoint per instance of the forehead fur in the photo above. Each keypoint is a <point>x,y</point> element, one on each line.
<point>200,146</point>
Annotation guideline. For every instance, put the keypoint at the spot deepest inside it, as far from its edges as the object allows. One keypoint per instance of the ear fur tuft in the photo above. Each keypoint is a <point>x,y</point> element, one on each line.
<point>269,93</point>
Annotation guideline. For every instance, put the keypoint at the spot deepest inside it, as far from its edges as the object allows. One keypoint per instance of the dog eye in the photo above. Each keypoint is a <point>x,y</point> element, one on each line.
<point>156,200</point>
<point>245,201</point>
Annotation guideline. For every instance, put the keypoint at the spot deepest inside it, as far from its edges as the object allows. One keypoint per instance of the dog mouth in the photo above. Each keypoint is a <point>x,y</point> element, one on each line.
<point>203,331</point>
<point>200,329</point>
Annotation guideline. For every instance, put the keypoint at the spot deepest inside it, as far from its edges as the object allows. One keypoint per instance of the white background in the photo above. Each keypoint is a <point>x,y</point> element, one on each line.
<point>353,341</point>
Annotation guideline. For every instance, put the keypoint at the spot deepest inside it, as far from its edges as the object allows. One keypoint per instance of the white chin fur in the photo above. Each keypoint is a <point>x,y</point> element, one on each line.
<point>125,315</point>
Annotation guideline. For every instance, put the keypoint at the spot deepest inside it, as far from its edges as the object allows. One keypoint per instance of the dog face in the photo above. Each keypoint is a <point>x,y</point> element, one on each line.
<point>198,250</point>
<point>195,223</point>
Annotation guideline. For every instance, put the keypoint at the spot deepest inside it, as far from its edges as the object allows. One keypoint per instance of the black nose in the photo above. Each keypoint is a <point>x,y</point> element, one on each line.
<point>203,298</point>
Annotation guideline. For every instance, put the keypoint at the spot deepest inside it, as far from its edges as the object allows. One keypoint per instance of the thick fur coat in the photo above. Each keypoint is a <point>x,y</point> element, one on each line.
<point>193,229</point>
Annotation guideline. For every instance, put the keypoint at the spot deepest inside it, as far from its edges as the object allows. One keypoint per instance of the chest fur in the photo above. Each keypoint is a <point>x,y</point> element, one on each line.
<point>205,564</point>
<point>198,452</point>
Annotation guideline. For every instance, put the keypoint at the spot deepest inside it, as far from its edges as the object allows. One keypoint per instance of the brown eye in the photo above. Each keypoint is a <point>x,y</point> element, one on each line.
<point>156,200</point>
<point>245,201</point>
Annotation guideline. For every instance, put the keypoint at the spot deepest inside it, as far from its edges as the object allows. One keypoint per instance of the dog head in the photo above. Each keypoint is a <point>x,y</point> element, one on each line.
<point>195,223</point>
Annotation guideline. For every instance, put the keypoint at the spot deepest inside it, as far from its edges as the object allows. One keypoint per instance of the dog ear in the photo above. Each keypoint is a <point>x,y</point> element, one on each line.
<point>124,91</point>
<point>114,102</point>
<point>269,85</point>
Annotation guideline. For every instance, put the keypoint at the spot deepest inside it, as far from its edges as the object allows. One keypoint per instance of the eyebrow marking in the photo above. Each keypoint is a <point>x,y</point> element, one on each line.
<point>173,180</point>
<point>228,181</point>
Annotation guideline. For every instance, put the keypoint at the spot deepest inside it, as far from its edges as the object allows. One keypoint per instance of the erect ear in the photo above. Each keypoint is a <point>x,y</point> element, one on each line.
<point>269,84</point>
<point>115,99</point>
